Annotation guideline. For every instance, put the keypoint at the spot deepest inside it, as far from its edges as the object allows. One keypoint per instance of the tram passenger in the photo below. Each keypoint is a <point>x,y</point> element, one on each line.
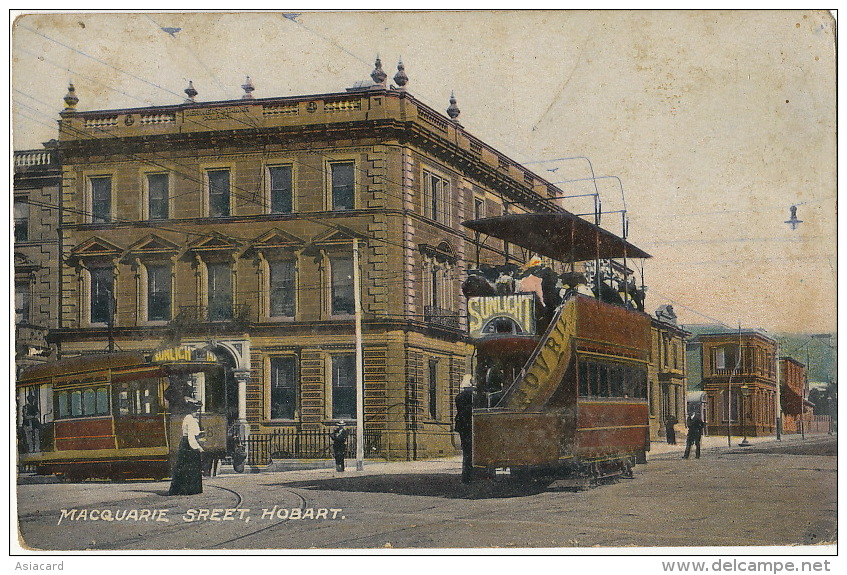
<point>187,474</point>
<point>32,425</point>
<point>339,445</point>
<point>464,425</point>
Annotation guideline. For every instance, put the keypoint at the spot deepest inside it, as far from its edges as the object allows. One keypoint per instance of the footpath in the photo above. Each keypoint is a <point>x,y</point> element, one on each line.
<point>324,468</point>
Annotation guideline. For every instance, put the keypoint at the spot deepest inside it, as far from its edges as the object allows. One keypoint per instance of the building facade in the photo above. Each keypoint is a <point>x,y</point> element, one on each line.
<point>232,226</point>
<point>37,176</point>
<point>739,379</point>
<point>797,411</point>
<point>666,373</point>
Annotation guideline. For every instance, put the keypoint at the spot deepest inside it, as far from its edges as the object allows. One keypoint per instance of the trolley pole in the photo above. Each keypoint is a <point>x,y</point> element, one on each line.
<point>360,383</point>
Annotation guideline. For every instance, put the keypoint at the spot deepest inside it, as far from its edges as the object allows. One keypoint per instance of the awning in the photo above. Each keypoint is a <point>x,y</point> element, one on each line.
<point>562,236</point>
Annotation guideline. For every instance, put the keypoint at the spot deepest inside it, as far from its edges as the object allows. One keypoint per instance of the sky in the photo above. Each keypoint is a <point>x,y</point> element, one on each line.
<point>706,126</point>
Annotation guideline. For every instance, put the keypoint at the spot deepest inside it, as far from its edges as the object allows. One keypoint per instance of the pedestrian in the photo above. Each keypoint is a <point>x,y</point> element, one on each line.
<point>670,430</point>
<point>32,425</point>
<point>339,445</point>
<point>464,425</point>
<point>695,430</point>
<point>186,478</point>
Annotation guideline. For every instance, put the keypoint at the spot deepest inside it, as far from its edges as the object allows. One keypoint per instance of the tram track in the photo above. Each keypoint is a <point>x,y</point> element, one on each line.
<point>303,503</point>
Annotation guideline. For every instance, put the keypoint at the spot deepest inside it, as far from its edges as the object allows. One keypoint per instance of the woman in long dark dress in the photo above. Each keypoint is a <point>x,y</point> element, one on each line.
<point>187,475</point>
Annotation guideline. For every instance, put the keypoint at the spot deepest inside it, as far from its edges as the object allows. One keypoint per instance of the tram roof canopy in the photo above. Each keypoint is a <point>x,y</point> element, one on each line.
<point>81,364</point>
<point>561,235</point>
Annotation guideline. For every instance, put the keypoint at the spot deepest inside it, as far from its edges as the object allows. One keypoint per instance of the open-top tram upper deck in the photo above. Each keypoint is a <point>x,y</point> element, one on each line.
<point>561,362</point>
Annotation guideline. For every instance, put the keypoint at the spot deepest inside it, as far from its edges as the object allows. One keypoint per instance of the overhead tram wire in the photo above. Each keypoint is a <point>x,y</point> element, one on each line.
<point>77,74</point>
<point>196,57</point>
<point>240,120</point>
<point>250,196</point>
<point>162,225</point>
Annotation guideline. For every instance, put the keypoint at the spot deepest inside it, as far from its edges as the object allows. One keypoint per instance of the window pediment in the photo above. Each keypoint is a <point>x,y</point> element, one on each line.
<point>95,248</point>
<point>153,246</point>
<point>334,238</point>
<point>213,243</point>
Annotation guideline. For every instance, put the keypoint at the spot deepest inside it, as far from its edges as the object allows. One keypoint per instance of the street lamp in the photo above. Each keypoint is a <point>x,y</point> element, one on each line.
<point>745,395</point>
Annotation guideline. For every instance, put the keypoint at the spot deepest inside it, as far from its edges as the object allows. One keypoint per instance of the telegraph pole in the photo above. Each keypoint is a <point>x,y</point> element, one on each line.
<point>360,383</point>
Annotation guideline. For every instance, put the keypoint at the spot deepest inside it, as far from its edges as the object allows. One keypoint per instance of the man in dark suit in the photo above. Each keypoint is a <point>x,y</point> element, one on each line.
<point>339,445</point>
<point>464,425</point>
<point>695,431</point>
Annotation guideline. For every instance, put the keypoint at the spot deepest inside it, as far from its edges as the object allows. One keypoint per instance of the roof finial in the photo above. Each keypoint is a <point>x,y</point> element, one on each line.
<point>453,110</point>
<point>71,99</point>
<point>378,74</point>
<point>400,78</point>
<point>190,92</point>
<point>248,88</point>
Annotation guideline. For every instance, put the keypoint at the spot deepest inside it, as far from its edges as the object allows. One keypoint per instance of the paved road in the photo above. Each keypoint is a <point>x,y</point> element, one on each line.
<point>768,494</point>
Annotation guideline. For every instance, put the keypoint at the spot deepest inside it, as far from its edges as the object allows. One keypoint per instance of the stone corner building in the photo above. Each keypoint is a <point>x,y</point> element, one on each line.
<point>230,226</point>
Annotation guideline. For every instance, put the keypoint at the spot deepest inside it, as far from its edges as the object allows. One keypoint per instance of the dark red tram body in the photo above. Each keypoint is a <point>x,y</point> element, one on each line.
<point>565,391</point>
<point>107,416</point>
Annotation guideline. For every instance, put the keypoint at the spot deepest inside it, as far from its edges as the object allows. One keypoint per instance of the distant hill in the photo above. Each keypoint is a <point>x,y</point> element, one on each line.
<point>822,354</point>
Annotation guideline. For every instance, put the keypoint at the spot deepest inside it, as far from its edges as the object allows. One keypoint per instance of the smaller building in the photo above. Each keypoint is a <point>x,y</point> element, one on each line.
<point>739,378</point>
<point>37,177</point>
<point>666,374</point>
<point>797,410</point>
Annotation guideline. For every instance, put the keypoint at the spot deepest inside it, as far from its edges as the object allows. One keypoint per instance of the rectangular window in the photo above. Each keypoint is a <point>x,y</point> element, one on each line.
<point>280,180</point>
<point>433,387</point>
<point>733,407</point>
<point>283,387</point>
<point>102,284</point>
<point>478,208</point>
<point>140,397</point>
<point>282,288</point>
<point>343,178</point>
<point>157,192</point>
<point>344,386</point>
<point>101,199</point>
<point>342,285</point>
<point>21,221</point>
<point>88,402</point>
<point>218,193</point>
<point>584,390</point>
<point>158,293</point>
<point>436,198</point>
<point>220,291</point>
<point>23,296</point>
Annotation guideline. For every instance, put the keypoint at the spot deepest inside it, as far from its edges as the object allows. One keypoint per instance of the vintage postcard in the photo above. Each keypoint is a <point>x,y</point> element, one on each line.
<point>392,282</point>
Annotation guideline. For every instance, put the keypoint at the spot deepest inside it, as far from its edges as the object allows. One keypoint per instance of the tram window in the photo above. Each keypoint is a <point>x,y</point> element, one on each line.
<point>89,402</point>
<point>616,377</point>
<point>64,407</point>
<point>76,403</point>
<point>102,401</point>
<point>583,379</point>
<point>138,397</point>
<point>593,387</point>
<point>604,380</point>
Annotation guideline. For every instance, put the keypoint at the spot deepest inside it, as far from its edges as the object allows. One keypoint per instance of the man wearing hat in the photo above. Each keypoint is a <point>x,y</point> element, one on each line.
<point>339,444</point>
<point>464,425</point>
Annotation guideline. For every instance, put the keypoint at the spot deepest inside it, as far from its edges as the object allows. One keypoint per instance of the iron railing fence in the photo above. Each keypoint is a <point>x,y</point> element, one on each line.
<point>263,448</point>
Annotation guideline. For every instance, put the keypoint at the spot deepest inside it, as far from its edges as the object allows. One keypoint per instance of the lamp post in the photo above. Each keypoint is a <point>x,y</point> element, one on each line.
<point>745,396</point>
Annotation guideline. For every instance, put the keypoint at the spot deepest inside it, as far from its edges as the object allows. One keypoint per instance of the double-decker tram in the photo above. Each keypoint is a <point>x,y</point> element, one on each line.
<point>562,344</point>
<point>119,415</point>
